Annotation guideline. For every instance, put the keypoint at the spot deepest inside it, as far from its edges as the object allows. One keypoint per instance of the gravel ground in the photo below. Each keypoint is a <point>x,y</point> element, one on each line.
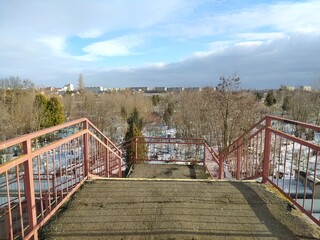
<point>171,209</point>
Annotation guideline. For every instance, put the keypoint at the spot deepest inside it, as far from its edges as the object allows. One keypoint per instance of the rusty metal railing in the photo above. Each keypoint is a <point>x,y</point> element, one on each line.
<point>39,171</point>
<point>284,153</point>
<point>157,150</point>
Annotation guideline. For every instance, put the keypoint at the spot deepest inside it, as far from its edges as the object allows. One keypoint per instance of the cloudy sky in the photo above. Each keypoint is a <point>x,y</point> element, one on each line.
<point>123,43</point>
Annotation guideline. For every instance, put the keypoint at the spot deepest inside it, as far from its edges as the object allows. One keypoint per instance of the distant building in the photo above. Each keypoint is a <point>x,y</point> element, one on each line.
<point>139,89</point>
<point>68,87</point>
<point>306,88</point>
<point>160,89</point>
<point>175,89</point>
<point>288,88</point>
<point>193,89</point>
<point>94,89</point>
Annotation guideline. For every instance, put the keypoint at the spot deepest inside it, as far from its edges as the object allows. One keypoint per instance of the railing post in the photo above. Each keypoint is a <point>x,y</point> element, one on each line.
<point>107,159</point>
<point>204,153</point>
<point>29,188</point>
<point>136,149</point>
<point>86,149</point>
<point>266,158</point>
<point>238,173</point>
<point>221,169</point>
<point>120,168</point>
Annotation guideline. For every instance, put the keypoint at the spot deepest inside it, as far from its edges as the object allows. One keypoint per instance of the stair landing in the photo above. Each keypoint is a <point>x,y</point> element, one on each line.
<point>172,209</point>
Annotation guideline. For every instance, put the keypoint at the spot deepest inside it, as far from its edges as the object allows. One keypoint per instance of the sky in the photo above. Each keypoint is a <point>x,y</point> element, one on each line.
<point>168,43</point>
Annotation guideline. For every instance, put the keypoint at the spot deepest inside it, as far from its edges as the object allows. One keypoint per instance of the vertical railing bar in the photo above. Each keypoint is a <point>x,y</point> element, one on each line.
<point>94,155</point>
<point>81,146</point>
<point>298,173</point>
<point>253,154</point>
<point>306,178</point>
<point>81,162</point>
<point>291,169</point>
<point>19,201</point>
<point>238,161</point>
<point>29,188</point>
<point>75,161</point>
<point>9,207</point>
<point>60,170</point>
<point>107,159</point>
<point>257,155</point>
<point>266,158</point>
<point>86,150</point>
<point>73,166</point>
<point>274,156</point>
<point>40,187</point>
<point>48,182</point>
<point>54,176</point>
<point>261,149</point>
<point>66,167</point>
<point>90,154</point>
<point>136,149</point>
<point>314,182</point>
<point>76,155</point>
<point>284,165</point>
<point>100,159</point>
<point>246,158</point>
<point>279,160</point>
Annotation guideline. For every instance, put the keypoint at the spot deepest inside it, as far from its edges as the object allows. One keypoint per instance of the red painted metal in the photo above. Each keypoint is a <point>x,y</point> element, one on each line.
<point>173,151</point>
<point>52,165</point>
<point>266,159</point>
<point>271,150</point>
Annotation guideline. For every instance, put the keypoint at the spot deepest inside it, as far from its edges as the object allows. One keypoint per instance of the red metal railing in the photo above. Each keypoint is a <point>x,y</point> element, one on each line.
<point>281,152</point>
<point>157,150</point>
<point>39,171</point>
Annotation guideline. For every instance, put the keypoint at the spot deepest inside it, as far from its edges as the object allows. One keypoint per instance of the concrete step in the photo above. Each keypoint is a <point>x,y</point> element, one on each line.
<point>171,209</point>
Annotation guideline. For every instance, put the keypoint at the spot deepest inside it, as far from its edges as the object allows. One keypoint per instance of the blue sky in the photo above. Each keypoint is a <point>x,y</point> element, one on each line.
<point>123,43</point>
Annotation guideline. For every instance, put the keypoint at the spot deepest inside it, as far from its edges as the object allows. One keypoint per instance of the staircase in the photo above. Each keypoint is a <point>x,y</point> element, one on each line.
<point>40,171</point>
<point>173,209</point>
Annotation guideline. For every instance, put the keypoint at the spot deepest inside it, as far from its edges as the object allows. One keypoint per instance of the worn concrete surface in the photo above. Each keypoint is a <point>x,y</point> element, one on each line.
<point>168,171</point>
<point>171,209</point>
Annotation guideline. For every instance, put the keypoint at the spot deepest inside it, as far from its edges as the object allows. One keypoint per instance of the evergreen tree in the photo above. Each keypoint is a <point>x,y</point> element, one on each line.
<point>135,118</point>
<point>270,99</point>
<point>39,109</point>
<point>155,100</point>
<point>47,113</point>
<point>286,104</point>
<point>168,114</point>
<point>133,132</point>
<point>54,112</point>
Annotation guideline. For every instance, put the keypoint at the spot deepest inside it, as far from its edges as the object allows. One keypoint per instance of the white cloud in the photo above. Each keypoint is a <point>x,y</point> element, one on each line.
<point>56,44</point>
<point>107,49</point>
<point>158,65</point>
<point>116,47</point>
<point>272,19</point>
<point>249,44</point>
<point>91,34</point>
<point>34,34</point>
<point>261,35</point>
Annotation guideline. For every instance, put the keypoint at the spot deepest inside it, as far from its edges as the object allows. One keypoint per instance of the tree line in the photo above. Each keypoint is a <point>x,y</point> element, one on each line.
<point>219,113</point>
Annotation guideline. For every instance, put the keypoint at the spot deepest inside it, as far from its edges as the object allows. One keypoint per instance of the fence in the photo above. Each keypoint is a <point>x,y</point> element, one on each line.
<point>283,153</point>
<point>39,171</point>
<point>157,150</point>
